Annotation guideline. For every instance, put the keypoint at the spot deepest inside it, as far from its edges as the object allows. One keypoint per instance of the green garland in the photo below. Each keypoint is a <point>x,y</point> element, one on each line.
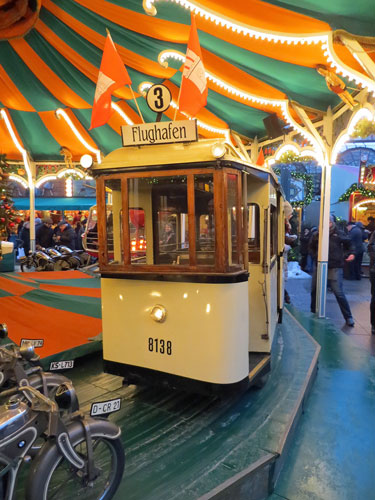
<point>364,128</point>
<point>290,157</point>
<point>309,183</point>
<point>370,193</point>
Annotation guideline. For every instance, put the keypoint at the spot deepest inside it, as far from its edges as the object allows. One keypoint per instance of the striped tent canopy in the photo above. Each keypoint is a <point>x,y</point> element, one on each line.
<point>260,57</point>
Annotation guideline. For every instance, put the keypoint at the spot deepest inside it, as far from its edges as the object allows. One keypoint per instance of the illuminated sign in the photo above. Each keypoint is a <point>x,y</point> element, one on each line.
<point>367,175</point>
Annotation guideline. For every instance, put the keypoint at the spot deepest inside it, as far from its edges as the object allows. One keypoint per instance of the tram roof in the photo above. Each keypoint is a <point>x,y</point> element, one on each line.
<point>201,151</point>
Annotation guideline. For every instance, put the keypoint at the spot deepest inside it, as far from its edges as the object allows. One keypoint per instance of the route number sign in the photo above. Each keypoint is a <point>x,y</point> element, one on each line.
<point>158,98</point>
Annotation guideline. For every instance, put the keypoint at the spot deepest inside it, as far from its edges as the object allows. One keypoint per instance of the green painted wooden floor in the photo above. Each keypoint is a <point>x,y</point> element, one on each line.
<point>333,456</point>
<point>181,446</point>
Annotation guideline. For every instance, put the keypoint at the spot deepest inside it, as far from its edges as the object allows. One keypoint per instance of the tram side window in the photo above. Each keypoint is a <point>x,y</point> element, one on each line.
<point>171,228</point>
<point>204,219</point>
<point>162,220</point>
<point>274,231</point>
<point>232,219</point>
<point>114,242</point>
<point>138,242</point>
<point>253,234</point>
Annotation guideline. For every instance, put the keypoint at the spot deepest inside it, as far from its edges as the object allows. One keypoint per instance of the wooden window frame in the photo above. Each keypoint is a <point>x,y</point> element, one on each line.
<point>220,203</point>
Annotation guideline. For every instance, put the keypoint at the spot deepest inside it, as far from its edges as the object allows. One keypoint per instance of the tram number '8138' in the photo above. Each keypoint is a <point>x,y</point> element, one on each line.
<point>160,345</point>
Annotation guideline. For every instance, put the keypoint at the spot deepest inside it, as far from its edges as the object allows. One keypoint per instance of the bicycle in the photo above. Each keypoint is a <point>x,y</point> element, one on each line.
<point>82,457</point>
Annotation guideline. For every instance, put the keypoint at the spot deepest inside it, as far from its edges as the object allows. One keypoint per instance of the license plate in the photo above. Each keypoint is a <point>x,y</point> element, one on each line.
<point>105,407</point>
<point>34,342</point>
<point>61,365</point>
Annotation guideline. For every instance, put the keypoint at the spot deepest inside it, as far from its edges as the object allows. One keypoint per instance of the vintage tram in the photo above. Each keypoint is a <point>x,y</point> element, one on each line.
<point>190,246</point>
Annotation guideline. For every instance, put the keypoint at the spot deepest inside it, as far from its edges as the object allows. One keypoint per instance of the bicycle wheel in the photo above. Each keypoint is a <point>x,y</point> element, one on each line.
<point>54,478</point>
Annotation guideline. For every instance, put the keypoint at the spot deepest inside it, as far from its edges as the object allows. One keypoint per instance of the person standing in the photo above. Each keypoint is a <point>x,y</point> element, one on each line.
<point>371,224</point>
<point>305,260</point>
<point>371,252</point>
<point>339,245</point>
<point>356,235</point>
<point>25,233</point>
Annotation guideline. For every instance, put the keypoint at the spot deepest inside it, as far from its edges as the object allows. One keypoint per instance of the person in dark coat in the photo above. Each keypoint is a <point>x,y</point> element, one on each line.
<point>65,235</point>
<point>371,224</point>
<point>79,230</point>
<point>43,237</point>
<point>371,252</point>
<point>340,249</point>
<point>305,261</point>
<point>357,236</point>
<point>25,234</point>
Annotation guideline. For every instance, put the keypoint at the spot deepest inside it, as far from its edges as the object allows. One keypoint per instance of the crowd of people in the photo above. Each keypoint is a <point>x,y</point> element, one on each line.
<point>347,244</point>
<point>66,232</point>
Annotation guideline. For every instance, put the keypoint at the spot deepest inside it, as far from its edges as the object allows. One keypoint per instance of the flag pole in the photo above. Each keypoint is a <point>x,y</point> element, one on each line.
<point>135,100</point>
<point>178,103</point>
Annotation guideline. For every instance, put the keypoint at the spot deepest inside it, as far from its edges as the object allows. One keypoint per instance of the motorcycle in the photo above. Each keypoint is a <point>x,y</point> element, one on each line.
<point>64,260</point>
<point>38,260</point>
<point>20,365</point>
<point>81,256</point>
<point>81,457</point>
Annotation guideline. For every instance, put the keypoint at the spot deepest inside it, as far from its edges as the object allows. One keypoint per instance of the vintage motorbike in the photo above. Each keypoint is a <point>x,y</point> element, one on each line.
<point>20,365</point>
<point>81,457</point>
<point>83,258</point>
<point>39,260</point>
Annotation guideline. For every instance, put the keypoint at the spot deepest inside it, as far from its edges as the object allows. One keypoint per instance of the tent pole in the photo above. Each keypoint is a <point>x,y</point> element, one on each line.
<point>325,205</point>
<point>32,205</point>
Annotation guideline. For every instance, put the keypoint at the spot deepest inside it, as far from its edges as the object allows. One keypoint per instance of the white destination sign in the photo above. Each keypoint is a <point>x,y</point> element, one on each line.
<point>105,407</point>
<point>159,133</point>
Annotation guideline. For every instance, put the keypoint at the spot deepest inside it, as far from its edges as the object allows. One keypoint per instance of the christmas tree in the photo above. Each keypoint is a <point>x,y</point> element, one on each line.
<point>6,203</point>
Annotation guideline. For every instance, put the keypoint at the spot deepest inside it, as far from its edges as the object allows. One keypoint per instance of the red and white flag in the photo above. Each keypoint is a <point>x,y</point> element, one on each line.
<point>193,92</point>
<point>260,160</point>
<point>112,76</point>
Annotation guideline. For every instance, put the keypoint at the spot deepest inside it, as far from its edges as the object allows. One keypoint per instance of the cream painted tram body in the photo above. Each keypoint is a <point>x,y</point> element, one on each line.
<point>194,304</point>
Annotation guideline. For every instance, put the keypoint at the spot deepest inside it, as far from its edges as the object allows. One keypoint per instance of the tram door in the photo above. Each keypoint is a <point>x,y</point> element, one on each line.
<point>280,276</point>
<point>258,249</point>
<point>274,261</point>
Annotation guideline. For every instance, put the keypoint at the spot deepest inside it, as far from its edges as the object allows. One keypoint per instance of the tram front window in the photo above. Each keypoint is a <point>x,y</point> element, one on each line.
<point>115,250</point>
<point>164,203</point>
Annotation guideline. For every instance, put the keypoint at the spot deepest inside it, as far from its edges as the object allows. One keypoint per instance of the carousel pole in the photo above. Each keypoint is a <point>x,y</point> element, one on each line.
<point>31,177</point>
<point>325,205</point>
<point>324,143</point>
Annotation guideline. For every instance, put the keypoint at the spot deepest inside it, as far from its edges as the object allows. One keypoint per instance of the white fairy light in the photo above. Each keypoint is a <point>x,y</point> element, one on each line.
<point>70,171</point>
<point>363,113</point>
<point>123,115</point>
<point>324,38</point>
<point>69,187</point>
<point>18,179</point>
<point>18,146</point>
<point>44,179</point>
<point>144,86</point>
<point>60,112</point>
<point>235,26</point>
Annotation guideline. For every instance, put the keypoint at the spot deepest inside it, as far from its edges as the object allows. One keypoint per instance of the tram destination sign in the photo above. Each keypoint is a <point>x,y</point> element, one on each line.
<point>159,133</point>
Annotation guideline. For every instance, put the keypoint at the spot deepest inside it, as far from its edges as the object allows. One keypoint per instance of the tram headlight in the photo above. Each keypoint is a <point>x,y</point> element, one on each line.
<point>218,150</point>
<point>158,313</point>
